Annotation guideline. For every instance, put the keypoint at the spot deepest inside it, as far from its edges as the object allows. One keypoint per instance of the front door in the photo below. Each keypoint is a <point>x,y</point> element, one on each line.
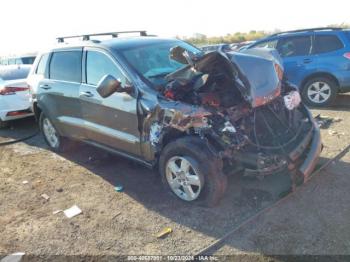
<point>110,121</point>
<point>296,54</point>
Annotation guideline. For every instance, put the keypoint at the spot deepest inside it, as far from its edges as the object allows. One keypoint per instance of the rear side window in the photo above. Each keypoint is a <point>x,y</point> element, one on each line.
<point>327,43</point>
<point>40,70</point>
<point>294,46</point>
<point>98,65</point>
<point>66,66</point>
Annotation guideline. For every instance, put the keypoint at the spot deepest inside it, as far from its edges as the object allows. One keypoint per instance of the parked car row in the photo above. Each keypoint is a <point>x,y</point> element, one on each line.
<point>226,47</point>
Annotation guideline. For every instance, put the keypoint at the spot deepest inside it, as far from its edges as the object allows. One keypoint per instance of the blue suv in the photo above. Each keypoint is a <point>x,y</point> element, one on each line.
<point>317,60</point>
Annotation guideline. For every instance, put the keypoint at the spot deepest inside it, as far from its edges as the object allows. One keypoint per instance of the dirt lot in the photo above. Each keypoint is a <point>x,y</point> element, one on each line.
<point>313,221</point>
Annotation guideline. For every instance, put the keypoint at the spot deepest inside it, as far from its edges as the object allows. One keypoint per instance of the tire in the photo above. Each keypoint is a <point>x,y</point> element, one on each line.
<point>3,124</point>
<point>313,95</point>
<point>211,184</point>
<point>62,144</point>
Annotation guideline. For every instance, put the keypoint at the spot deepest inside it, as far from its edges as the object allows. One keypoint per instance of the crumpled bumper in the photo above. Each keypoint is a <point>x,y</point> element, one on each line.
<point>300,159</point>
<point>313,152</point>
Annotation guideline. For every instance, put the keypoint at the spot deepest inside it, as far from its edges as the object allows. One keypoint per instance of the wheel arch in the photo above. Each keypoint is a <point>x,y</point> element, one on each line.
<point>37,111</point>
<point>171,135</point>
<point>319,74</point>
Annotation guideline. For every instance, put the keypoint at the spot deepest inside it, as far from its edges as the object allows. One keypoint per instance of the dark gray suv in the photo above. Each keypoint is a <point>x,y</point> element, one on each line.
<point>163,103</point>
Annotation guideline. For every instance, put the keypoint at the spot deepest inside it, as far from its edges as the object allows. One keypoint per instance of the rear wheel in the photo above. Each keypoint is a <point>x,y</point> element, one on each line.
<point>56,142</point>
<point>191,172</point>
<point>319,91</point>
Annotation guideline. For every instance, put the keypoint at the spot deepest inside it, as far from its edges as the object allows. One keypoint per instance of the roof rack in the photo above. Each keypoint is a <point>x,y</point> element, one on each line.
<point>86,37</point>
<point>308,30</point>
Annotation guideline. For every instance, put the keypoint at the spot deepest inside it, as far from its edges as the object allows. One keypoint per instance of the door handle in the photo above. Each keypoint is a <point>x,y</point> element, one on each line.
<point>87,94</point>
<point>46,87</point>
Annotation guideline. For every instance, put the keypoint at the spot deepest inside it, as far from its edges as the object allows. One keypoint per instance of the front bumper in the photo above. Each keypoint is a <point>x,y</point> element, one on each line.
<point>313,152</point>
<point>301,158</point>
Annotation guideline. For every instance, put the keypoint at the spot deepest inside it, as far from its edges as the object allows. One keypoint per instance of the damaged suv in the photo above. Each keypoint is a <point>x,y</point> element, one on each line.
<point>162,102</point>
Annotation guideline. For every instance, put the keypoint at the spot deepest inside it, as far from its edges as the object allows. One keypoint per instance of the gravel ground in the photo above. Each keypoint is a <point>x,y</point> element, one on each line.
<point>127,222</point>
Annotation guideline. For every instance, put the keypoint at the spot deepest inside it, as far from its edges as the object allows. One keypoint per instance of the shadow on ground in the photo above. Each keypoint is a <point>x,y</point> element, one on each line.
<point>244,197</point>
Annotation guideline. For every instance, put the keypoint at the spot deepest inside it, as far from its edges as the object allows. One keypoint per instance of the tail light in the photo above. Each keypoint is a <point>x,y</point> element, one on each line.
<point>279,71</point>
<point>11,90</point>
<point>347,55</point>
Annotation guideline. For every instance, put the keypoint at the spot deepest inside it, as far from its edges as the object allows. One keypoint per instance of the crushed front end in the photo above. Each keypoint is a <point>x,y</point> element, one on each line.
<point>249,115</point>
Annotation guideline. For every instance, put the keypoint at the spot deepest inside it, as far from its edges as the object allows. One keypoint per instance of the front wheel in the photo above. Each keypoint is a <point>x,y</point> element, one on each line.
<point>56,142</point>
<point>191,172</point>
<point>319,91</point>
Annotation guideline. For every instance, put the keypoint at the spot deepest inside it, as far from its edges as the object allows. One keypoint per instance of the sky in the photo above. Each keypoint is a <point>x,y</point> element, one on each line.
<point>30,25</point>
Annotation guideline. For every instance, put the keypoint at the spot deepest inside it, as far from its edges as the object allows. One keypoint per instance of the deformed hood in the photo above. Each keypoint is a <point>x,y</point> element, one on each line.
<point>261,72</point>
<point>256,73</point>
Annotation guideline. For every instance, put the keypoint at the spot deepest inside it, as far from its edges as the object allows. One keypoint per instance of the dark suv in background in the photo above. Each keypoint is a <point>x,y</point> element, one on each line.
<point>164,103</point>
<point>316,60</point>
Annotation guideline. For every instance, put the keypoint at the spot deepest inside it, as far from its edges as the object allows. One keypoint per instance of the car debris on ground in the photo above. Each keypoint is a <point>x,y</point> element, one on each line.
<point>166,231</point>
<point>325,122</point>
<point>45,196</point>
<point>119,188</point>
<point>57,211</point>
<point>72,212</point>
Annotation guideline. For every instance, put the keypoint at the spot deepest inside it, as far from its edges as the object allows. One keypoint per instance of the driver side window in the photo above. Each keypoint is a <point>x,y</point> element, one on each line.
<point>98,65</point>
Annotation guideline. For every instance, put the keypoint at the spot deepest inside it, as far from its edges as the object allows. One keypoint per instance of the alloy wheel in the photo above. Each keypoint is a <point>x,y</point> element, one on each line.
<point>319,92</point>
<point>183,179</point>
<point>50,133</point>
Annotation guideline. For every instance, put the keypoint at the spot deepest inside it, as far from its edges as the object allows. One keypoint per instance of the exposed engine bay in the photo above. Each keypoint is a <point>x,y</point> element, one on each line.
<point>241,105</point>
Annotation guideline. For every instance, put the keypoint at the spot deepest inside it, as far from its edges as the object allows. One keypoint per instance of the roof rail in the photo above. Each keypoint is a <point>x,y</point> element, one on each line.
<point>308,30</point>
<point>86,37</point>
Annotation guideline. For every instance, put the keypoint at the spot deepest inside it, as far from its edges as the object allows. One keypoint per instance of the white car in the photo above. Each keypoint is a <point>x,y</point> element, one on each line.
<point>14,93</point>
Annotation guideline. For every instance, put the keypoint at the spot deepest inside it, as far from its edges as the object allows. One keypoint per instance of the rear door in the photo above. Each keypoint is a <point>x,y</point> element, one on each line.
<point>58,95</point>
<point>110,121</point>
<point>329,50</point>
<point>297,58</point>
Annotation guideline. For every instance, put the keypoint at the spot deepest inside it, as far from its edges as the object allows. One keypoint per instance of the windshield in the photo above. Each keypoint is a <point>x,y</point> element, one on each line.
<point>153,61</point>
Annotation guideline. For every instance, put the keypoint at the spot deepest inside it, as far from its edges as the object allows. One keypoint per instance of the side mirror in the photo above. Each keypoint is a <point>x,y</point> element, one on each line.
<point>109,85</point>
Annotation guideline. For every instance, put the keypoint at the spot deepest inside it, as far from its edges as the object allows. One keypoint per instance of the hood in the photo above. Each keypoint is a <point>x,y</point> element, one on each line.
<point>255,74</point>
<point>261,73</point>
